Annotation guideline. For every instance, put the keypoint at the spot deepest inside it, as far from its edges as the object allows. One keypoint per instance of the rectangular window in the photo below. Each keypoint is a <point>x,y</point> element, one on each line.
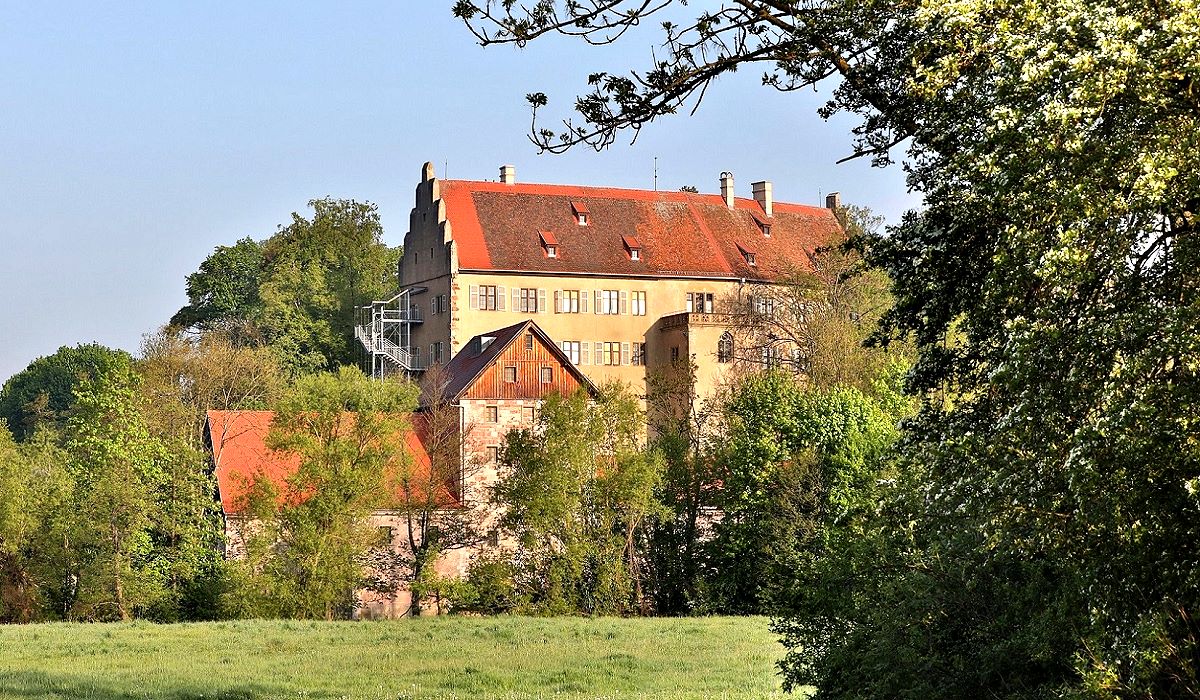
<point>675,354</point>
<point>493,454</point>
<point>487,297</point>
<point>528,301</point>
<point>510,374</point>
<point>568,301</point>
<point>639,353</point>
<point>571,349</point>
<point>637,303</point>
<point>441,303</point>
<point>547,375</point>
<point>493,414</point>
<point>609,302</point>
<point>528,341</point>
<point>611,354</point>
<point>700,302</point>
<point>764,306</point>
<point>530,414</point>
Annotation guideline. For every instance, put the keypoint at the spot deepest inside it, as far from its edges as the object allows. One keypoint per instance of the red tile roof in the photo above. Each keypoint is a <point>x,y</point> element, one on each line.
<point>497,226</point>
<point>549,238</point>
<point>240,454</point>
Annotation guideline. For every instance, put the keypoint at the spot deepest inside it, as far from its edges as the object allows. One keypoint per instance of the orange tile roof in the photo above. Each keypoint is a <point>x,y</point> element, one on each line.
<point>240,454</point>
<point>497,227</point>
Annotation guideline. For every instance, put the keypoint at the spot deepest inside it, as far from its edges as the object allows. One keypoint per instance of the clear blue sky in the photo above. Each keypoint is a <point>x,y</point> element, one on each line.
<point>136,136</point>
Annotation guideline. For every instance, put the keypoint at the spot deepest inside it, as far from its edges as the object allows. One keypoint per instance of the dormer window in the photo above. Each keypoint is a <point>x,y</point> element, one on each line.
<point>763,225</point>
<point>582,215</point>
<point>747,255</point>
<point>549,244</point>
<point>633,247</point>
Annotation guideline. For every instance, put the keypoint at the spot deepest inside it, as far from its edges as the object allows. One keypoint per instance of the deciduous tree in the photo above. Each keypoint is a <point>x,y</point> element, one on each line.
<point>310,542</point>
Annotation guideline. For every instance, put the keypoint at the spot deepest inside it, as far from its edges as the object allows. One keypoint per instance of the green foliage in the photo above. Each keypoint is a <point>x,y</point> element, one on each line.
<point>309,547</point>
<point>795,460</point>
<point>44,392</point>
<point>117,469</point>
<point>224,290</point>
<point>35,485</point>
<point>297,290</point>
<point>577,492</point>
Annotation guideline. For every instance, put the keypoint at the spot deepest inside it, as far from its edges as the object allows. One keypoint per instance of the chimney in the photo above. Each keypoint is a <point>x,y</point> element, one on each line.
<point>727,188</point>
<point>833,200</point>
<point>762,195</point>
<point>508,174</point>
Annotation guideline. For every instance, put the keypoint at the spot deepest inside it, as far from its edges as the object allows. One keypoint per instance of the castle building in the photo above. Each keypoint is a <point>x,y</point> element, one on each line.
<point>624,281</point>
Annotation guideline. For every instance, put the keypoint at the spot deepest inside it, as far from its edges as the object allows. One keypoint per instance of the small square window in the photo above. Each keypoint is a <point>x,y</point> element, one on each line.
<point>635,254</point>
<point>510,374</point>
<point>750,259</point>
<point>582,218</point>
<point>551,251</point>
<point>547,375</point>
<point>493,414</point>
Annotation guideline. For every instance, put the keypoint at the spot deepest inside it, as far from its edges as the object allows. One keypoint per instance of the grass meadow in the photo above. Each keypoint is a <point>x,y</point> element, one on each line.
<point>506,658</point>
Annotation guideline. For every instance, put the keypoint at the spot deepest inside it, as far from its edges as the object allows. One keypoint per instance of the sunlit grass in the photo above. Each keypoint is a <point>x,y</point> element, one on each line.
<point>506,658</point>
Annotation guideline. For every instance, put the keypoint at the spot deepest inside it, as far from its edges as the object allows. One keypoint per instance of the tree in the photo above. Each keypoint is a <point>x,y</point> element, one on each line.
<point>34,483</point>
<point>430,500</point>
<point>793,454</point>
<point>819,322</point>
<point>224,291</point>
<point>684,427</point>
<point>296,291</point>
<point>183,377</point>
<point>310,541</point>
<point>43,392</point>
<point>577,492</point>
<point>117,470</point>
<point>1049,287</point>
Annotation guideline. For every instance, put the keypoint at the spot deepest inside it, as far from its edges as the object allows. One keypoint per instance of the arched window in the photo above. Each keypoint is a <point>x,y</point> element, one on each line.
<point>725,347</point>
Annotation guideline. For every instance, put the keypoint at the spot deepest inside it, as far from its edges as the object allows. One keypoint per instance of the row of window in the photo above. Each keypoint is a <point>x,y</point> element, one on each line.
<point>581,301</point>
<point>490,297</point>
<point>493,414</point>
<point>545,374</point>
<point>604,353</point>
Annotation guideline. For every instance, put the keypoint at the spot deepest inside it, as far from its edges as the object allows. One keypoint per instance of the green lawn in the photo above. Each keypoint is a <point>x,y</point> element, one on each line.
<point>446,657</point>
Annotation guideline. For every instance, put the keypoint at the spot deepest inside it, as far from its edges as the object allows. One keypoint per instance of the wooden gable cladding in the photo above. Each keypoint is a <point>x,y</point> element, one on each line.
<point>523,360</point>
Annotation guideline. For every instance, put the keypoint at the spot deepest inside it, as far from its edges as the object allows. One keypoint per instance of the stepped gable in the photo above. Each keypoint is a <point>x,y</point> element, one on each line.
<point>501,226</point>
<point>237,441</point>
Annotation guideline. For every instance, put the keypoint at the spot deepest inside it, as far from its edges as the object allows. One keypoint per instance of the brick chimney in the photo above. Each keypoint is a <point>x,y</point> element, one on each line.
<point>727,188</point>
<point>833,200</point>
<point>762,195</point>
<point>508,174</point>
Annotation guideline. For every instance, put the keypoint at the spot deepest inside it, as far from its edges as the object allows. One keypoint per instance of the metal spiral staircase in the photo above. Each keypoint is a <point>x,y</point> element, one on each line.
<point>384,329</point>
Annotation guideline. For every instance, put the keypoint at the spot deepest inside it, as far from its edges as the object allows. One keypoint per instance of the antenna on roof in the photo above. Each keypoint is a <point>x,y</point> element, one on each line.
<point>655,173</point>
<point>445,168</point>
